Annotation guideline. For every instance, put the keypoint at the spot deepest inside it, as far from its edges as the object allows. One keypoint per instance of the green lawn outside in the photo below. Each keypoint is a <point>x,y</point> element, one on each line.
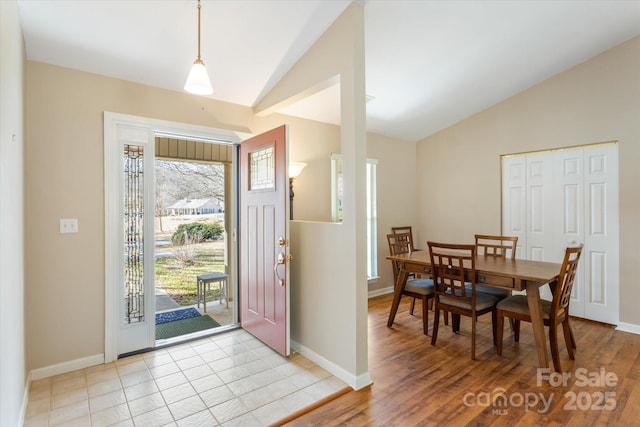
<point>179,280</point>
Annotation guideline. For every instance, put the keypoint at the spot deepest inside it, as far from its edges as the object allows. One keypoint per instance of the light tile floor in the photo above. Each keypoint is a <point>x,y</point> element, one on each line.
<point>231,379</point>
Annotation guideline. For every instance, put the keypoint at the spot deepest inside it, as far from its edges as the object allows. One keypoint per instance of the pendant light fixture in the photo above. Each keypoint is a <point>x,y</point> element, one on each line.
<point>198,81</point>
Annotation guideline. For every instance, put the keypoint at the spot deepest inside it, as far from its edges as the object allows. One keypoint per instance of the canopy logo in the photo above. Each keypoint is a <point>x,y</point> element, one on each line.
<point>501,401</point>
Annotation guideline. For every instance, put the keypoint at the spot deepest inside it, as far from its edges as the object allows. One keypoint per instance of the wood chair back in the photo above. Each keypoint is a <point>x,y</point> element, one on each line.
<point>448,262</point>
<point>496,246</point>
<point>562,290</point>
<point>399,243</point>
<point>403,230</point>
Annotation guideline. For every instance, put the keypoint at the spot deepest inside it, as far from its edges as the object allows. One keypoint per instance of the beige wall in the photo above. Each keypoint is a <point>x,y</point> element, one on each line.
<point>13,368</point>
<point>599,100</point>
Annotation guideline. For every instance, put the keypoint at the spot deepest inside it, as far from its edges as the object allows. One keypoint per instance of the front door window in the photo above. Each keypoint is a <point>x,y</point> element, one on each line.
<point>262,169</point>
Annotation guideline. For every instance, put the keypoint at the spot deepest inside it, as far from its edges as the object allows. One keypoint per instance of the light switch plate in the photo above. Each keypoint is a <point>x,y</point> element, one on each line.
<point>69,225</point>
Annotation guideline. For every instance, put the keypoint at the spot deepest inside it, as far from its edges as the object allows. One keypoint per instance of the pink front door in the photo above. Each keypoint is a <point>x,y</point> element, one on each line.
<point>264,295</point>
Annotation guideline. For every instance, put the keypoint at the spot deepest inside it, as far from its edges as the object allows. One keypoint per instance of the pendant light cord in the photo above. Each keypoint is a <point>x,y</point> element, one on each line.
<point>199,31</point>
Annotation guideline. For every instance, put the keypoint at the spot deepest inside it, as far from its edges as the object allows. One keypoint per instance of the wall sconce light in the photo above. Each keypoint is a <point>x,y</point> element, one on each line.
<point>294,170</point>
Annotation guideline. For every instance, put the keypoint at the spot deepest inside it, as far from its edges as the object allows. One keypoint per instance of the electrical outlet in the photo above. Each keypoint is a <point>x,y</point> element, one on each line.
<point>69,225</point>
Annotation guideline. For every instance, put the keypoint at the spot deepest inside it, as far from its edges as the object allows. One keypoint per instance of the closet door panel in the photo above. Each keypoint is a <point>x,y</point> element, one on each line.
<point>514,215</point>
<point>569,177</point>
<point>541,227</point>
<point>601,260</point>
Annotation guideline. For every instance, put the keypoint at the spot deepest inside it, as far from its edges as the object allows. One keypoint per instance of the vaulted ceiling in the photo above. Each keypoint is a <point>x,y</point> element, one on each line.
<point>429,64</point>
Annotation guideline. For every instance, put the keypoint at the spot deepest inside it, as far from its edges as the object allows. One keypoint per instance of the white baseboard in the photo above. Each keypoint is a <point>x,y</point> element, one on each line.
<point>63,368</point>
<point>379,292</point>
<point>355,382</point>
<point>362,381</point>
<point>628,327</point>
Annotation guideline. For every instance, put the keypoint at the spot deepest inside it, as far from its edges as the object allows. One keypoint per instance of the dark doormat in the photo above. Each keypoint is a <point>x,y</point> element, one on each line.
<point>184,326</point>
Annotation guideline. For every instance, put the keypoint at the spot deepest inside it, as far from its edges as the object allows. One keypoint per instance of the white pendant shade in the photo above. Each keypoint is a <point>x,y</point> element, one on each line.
<point>198,81</point>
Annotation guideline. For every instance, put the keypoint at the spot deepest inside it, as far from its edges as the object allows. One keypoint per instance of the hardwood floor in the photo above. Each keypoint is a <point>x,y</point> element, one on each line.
<point>416,384</point>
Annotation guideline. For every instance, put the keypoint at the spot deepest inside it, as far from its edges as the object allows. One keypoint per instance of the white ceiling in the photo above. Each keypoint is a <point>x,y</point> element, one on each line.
<point>429,64</point>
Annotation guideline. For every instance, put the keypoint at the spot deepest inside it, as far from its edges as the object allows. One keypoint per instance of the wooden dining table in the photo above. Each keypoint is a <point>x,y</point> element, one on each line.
<point>514,275</point>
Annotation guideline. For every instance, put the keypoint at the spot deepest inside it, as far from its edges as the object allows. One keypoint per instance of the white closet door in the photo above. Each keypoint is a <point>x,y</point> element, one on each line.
<point>569,186</point>
<point>542,200</point>
<point>601,259</point>
<point>570,197</point>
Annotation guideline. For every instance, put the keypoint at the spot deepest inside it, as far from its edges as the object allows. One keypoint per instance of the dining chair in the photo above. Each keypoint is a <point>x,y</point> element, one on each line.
<point>452,294</point>
<point>406,232</point>
<point>497,247</point>
<point>554,312</point>
<point>421,288</point>
<point>405,229</point>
